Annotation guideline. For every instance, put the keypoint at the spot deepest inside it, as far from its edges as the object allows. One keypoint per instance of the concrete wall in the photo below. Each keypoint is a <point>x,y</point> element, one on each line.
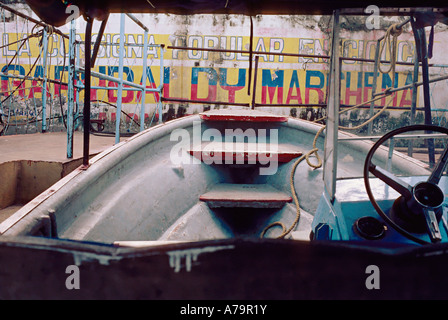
<point>9,171</point>
<point>21,181</point>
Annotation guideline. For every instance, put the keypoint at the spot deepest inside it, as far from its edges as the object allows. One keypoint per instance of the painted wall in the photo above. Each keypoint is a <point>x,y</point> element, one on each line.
<point>213,76</point>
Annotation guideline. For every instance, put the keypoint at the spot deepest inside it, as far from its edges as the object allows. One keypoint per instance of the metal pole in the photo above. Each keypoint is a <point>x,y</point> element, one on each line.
<point>141,25</point>
<point>86,112</point>
<point>420,43</point>
<point>1,105</point>
<point>161,84</point>
<point>71,89</point>
<point>120,84</point>
<point>44,89</point>
<point>414,98</point>
<point>254,52</point>
<point>208,102</point>
<point>129,89</point>
<point>145,57</point>
<point>96,47</point>
<point>77,48</point>
<point>427,96</point>
<point>399,26</point>
<point>24,16</point>
<point>18,76</point>
<point>331,131</point>
<point>417,84</point>
<point>113,79</point>
<point>287,54</point>
<point>255,82</point>
<point>382,61</point>
<point>389,164</point>
<point>375,79</point>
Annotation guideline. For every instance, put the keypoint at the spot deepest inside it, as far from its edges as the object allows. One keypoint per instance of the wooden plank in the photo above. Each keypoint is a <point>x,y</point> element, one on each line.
<point>242,115</point>
<point>243,152</point>
<point>245,196</point>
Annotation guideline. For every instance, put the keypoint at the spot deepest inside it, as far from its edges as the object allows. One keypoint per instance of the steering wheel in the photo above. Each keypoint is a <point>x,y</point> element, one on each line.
<point>419,207</point>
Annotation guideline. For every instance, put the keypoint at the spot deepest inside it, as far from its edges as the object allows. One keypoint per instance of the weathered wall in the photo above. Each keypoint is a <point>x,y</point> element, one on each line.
<point>9,172</point>
<point>211,76</point>
<point>23,180</point>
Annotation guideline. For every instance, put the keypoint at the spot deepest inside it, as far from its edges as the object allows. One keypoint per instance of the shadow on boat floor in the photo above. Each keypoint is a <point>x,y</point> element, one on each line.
<point>248,222</point>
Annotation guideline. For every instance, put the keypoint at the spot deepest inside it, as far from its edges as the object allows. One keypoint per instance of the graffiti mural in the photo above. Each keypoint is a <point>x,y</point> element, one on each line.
<point>196,80</point>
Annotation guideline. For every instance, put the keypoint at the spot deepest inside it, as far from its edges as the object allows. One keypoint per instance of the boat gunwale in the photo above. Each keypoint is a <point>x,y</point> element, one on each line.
<point>77,181</point>
<point>97,163</point>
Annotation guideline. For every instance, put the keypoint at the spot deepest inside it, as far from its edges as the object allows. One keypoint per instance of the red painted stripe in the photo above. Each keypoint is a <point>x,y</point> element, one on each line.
<point>247,118</point>
<point>224,199</point>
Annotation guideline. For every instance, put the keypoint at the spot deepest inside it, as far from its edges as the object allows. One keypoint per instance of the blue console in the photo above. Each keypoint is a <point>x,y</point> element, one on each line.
<point>352,217</point>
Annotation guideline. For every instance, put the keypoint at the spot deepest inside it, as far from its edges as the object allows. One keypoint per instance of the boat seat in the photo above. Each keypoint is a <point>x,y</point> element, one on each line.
<point>242,115</point>
<point>245,196</point>
<point>243,152</point>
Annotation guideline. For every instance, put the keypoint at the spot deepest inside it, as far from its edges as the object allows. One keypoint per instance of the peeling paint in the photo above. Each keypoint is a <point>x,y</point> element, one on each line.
<point>190,255</point>
<point>80,257</point>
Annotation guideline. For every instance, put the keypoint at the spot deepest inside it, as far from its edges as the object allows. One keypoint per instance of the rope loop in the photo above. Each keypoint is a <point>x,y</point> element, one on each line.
<point>306,156</point>
<point>393,31</point>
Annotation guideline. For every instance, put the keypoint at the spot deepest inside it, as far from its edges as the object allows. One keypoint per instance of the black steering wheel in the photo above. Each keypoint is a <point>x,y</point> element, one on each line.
<point>419,208</point>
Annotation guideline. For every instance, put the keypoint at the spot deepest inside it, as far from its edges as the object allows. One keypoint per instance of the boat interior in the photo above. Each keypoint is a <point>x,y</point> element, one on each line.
<point>235,172</point>
<point>240,203</point>
<point>159,187</point>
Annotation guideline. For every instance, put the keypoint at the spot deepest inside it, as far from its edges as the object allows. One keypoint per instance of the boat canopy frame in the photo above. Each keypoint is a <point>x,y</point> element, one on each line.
<point>333,107</point>
<point>419,17</point>
<point>418,24</point>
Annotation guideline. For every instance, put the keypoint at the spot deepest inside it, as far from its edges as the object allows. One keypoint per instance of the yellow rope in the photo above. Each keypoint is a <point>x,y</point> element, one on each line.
<point>386,105</point>
<point>395,32</point>
<point>294,194</point>
<point>383,94</point>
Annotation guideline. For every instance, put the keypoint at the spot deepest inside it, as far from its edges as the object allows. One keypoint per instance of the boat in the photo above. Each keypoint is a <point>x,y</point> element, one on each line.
<point>236,203</point>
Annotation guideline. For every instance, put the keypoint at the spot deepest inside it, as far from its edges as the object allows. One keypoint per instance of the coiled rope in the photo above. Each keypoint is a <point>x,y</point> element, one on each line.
<point>393,31</point>
<point>291,182</point>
